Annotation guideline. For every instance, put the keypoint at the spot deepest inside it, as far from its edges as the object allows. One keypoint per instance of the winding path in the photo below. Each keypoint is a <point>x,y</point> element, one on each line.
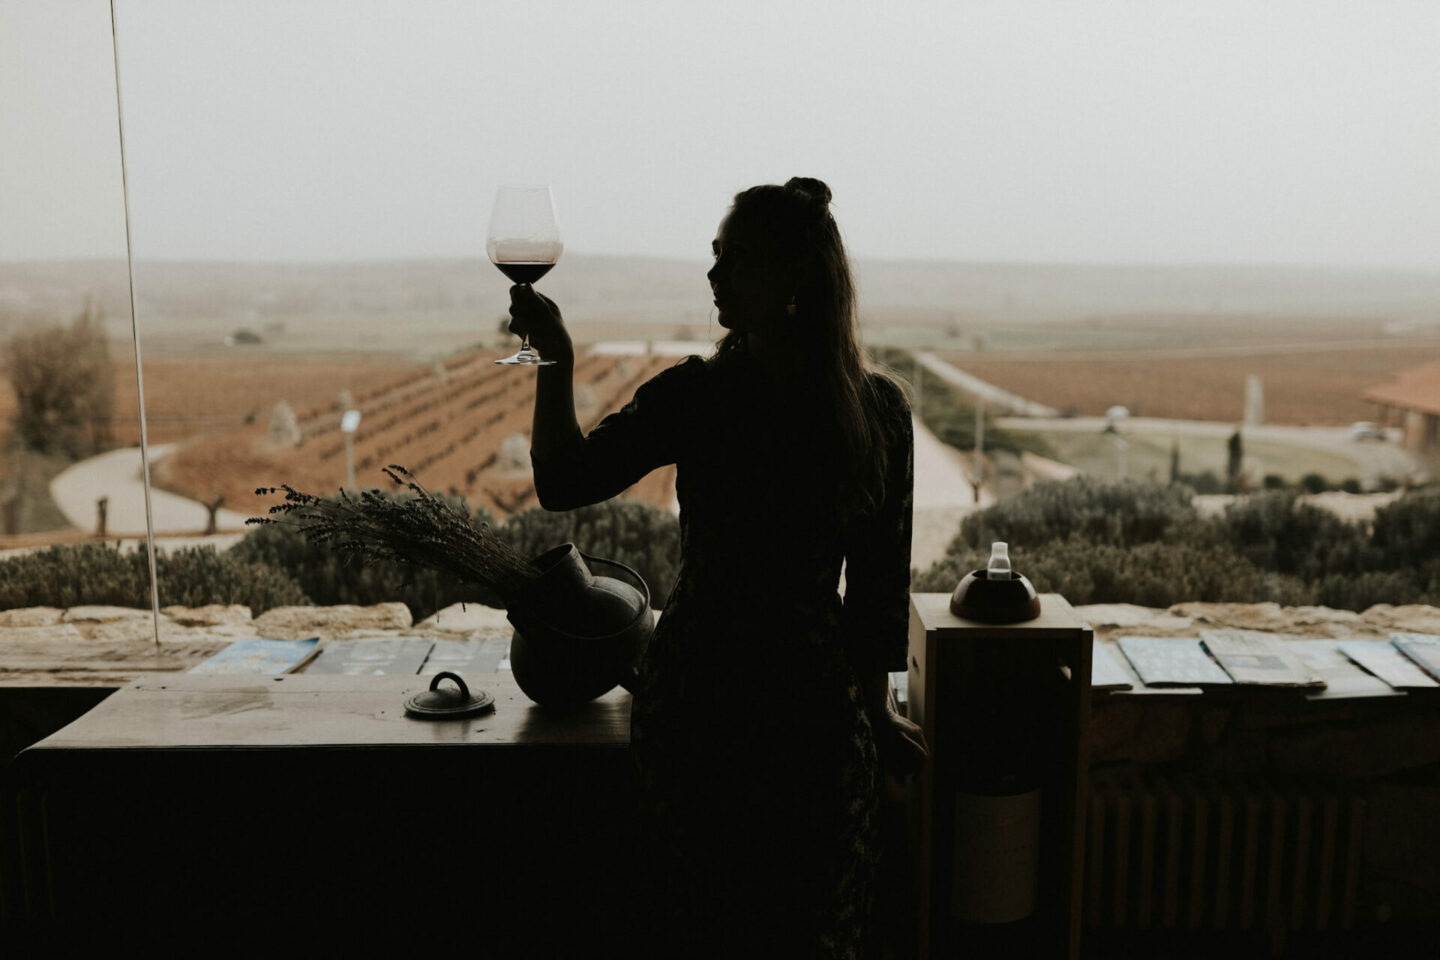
<point>117,475</point>
<point>943,497</point>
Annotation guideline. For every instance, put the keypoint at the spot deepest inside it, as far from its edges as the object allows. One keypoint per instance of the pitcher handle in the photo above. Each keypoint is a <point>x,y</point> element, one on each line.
<point>616,563</point>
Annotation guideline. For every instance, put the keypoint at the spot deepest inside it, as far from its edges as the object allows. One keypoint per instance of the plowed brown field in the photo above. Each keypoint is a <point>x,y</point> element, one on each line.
<point>185,396</point>
<point>448,431</point>
<point>1301,388</point>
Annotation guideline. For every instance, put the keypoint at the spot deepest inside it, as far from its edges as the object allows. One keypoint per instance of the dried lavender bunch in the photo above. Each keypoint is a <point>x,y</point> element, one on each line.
<point>418,531</point>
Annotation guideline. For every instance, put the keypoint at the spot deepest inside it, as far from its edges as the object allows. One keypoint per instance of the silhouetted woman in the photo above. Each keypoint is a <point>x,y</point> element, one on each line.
<point>760,722</point>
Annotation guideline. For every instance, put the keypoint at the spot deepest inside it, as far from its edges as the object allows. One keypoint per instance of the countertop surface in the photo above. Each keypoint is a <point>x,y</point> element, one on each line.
<point>182,712</point>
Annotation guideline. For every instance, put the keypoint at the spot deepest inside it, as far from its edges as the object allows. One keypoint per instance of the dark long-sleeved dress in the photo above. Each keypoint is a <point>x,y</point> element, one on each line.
<point>756,759</point>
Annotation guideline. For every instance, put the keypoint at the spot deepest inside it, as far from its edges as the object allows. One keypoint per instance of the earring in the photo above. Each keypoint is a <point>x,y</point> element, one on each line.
<point>790,308</point>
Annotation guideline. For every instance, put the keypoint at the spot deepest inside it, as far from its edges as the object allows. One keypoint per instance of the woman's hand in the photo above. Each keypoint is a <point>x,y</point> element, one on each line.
<point>536,316</point>
<point>901,745</point>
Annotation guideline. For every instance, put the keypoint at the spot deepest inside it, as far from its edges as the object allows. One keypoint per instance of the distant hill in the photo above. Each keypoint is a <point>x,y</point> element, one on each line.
<point>435,306</point>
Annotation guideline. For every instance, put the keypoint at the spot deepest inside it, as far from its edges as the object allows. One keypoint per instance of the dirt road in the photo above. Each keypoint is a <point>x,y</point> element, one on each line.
<point>1373,459</point>
<point>943,497</point>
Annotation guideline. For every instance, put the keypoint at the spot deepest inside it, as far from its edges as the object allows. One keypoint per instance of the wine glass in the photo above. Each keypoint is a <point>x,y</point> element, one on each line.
<point>524,242</point>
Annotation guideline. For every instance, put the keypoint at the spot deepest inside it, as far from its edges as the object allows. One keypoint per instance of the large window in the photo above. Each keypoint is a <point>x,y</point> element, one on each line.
<point>1170,243</point>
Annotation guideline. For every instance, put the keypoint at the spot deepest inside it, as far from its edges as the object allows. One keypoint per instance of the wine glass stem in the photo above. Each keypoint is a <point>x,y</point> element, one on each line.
<point>525,340</point>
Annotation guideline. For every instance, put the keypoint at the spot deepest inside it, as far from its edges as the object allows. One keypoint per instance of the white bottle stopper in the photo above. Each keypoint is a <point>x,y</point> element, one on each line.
<point>999,566</point>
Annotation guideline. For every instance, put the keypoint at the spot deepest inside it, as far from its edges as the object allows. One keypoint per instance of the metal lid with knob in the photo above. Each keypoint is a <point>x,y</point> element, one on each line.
<point>448,704</point>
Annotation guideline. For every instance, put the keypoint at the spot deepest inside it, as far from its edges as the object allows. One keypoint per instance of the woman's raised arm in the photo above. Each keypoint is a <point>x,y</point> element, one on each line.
<point>554,432</point>
<point>571,468</point>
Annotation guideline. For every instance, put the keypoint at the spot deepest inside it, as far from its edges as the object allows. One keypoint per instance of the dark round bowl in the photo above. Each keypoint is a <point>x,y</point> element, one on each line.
<point>983,600</point>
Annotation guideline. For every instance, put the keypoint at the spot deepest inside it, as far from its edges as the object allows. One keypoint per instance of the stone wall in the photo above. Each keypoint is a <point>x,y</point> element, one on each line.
<point>106,645</point>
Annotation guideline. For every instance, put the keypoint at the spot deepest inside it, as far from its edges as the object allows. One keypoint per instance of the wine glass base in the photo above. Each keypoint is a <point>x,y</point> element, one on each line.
<point>526,359</point>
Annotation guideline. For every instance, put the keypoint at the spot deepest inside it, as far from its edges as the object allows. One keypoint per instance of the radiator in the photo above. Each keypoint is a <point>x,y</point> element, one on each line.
<point>1201,855</point>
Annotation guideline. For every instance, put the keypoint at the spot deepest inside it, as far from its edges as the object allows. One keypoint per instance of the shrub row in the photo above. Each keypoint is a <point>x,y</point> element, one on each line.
<point>1104,542</point>
<point>95,573</point>
<point>1150,574</point>
<point>635,533</point>
<point>274,565</point>
<point>1120,513</point>
<point>1093,541</point>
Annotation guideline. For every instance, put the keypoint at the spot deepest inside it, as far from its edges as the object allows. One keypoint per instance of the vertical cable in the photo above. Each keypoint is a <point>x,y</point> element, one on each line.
<point>135,335</point>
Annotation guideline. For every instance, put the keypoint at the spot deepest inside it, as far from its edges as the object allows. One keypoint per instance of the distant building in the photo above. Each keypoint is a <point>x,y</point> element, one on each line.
<point>243,335</point>
<point>1411,400</point>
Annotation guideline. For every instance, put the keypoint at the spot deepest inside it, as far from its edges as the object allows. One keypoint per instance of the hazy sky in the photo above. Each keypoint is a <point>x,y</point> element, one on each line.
<point>1289,131</point>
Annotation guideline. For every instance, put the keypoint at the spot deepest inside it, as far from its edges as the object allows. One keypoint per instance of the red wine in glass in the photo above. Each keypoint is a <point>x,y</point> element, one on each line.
<point>524,243</point>
<point>524,272</point>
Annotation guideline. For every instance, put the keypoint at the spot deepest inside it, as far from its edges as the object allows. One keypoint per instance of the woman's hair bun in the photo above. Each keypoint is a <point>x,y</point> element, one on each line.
<point>815,189</point>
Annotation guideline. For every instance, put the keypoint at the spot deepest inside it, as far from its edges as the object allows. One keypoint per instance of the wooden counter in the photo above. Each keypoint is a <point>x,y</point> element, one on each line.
<point>259,804</point>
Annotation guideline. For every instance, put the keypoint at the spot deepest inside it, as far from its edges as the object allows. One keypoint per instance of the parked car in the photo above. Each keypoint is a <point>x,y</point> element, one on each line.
<point>1365,430</point>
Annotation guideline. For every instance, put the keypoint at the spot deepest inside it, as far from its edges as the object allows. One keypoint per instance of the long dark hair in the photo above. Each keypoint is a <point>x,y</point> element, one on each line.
<point>795,226</point>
